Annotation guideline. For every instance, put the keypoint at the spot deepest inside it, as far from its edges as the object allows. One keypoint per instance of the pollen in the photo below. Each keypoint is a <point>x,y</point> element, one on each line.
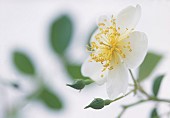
<point>109,46</point>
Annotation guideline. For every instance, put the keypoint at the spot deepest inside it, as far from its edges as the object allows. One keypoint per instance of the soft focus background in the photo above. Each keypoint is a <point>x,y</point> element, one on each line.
<point>26,28</point>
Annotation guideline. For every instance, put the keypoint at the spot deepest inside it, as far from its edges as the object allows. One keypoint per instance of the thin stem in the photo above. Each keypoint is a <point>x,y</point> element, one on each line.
<point>121,113</point>
<point>159,100</point>
<point>133,78</point>
<point>143,91</point>
<point>138,87</point>
<point>134,104</point>
<point>128,106</point>
<point>125,107</point>
<point>123,96</point>
<point>134,81</point>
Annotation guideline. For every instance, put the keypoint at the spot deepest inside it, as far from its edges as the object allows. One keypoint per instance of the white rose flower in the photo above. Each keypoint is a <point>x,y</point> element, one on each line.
<point>115,48</point>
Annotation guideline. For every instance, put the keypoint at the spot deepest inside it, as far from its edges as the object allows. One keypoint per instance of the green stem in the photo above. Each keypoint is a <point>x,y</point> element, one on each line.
<point>138,87</point>
<point>133,78</point>
<point>123,96</point>
<point>121,113</point>
<point>136,103</point>
<point>125,107</point>
<point>159,100</point>
<point>134,81</point>
<point>149,97</point>
<point>143,91</point>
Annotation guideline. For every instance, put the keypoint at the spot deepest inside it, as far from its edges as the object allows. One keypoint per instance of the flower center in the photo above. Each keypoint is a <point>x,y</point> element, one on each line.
<point>109,45</point>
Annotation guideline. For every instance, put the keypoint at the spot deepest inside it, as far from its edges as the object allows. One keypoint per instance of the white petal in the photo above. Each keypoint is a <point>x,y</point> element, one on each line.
<point>94,71</point>
<point>117,81</point>
<point>99,78</point>
<point>128,18</point>
<point>138,43</point>
<point>102,19</point>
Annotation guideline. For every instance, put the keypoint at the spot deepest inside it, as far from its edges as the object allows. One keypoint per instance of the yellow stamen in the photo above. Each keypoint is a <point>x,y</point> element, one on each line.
<point>109,46</point>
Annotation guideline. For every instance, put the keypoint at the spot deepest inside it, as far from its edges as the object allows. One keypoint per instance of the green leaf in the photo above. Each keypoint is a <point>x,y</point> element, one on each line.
<point>79,84</point>
<point>154,114</point>
<point>50,99</point>
<point>97,103</point>
<point>156,84</point>
<point>75,71</point>
<point>61,34</point>
<point>23,63</point>
<point>148,66</point>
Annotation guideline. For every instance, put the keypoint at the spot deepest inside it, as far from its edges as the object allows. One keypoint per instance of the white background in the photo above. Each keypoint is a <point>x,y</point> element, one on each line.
<point>24,24</point>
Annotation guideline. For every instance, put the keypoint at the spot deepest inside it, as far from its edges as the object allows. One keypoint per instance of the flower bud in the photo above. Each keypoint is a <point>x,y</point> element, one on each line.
<point>107,102</point>
<point>97,103</point>
<point>79,84</point>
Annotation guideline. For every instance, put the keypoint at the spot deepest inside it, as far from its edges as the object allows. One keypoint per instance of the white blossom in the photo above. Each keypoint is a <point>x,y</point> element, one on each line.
<point>115,48</point>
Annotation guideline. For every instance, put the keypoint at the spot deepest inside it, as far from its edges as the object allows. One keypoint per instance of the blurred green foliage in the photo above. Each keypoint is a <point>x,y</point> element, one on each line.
<point>154,114</point>
<point>156,84</point>
<point>74,71</point>
<point>61,32</point>
<point>50,99</point>
<point>147,67</point>
<point>23,63</point>
<point>12,113</point>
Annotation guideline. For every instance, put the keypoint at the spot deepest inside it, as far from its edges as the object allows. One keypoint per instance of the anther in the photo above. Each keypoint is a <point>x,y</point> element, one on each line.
<point>110,68</point>
<point>101,24</point>
<point>124,56</point>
